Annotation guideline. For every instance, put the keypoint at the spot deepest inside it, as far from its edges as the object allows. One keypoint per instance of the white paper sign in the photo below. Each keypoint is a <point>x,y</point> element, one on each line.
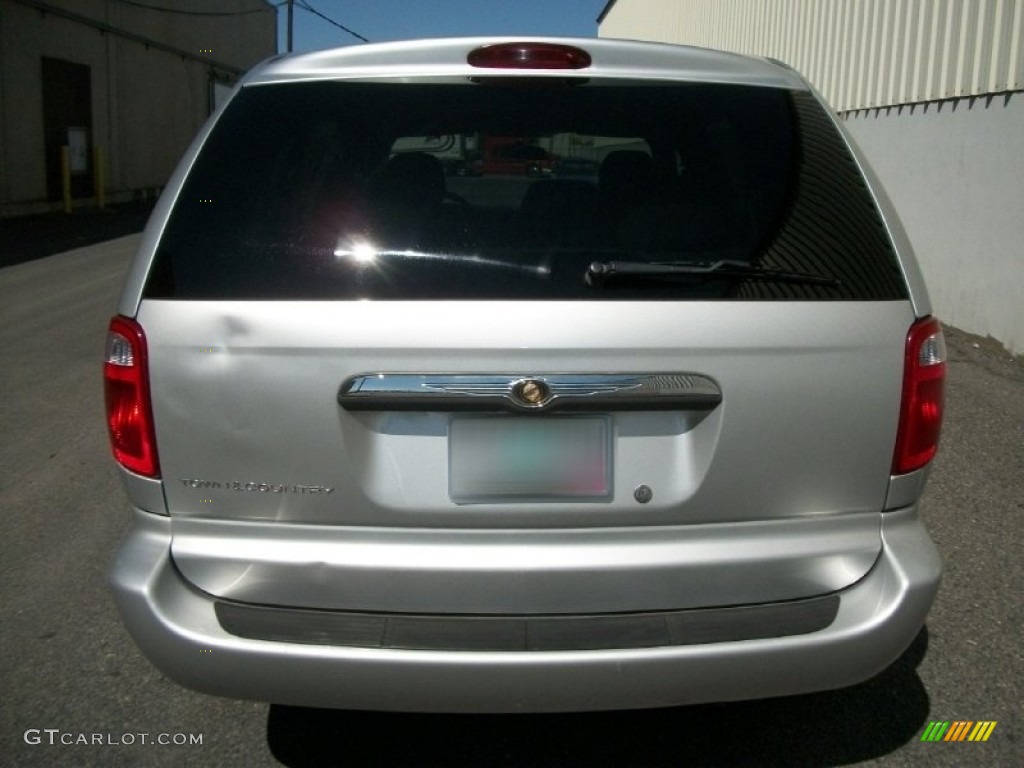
<point>78,149</point>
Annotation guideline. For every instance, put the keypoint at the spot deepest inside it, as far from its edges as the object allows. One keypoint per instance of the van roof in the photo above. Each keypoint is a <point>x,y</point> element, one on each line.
<point>446,58</point>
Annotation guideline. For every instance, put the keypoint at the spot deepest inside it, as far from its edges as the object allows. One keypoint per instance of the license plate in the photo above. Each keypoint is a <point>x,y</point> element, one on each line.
<point>529,459</point>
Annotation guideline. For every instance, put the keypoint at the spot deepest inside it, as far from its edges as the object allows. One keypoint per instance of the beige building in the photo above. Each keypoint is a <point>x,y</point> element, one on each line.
<point>134,78</point>
<point>932,90</point>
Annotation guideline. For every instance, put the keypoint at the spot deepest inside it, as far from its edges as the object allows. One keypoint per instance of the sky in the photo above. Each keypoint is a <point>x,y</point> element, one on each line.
<point>381,20</point>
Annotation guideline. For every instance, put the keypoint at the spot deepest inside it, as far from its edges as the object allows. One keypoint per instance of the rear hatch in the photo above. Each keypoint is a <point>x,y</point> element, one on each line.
<point>381,382</point>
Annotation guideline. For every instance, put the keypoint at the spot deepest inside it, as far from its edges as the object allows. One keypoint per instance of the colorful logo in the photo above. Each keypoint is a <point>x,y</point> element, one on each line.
<point>958,730</point>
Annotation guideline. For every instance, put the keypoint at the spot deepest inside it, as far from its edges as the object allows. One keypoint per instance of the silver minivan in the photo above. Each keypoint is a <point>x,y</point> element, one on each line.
<point>402,436</point>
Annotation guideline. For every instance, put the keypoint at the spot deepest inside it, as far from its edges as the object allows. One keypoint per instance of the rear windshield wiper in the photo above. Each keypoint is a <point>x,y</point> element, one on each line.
<point>600,272</point>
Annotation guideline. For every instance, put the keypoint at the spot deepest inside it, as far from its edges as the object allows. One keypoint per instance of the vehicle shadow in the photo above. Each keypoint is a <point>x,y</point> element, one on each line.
<point>832,728</point>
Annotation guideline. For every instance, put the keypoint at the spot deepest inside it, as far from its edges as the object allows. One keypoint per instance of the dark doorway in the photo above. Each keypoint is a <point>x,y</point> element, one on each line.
<point>67,118</point>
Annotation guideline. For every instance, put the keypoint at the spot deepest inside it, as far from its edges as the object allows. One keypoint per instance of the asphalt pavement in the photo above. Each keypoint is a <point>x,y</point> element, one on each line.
<point>24,238</point>
<point>69,671</point>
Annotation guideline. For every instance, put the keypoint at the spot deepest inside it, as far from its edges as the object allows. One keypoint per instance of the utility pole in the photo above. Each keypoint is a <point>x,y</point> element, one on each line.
<point>291,7</point>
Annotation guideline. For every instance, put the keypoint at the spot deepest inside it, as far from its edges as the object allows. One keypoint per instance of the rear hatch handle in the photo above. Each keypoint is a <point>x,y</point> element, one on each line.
<point>529,393</point>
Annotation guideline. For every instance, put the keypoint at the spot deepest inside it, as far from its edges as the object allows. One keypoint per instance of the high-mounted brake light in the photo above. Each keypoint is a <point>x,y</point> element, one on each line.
<point>924,376</point>
<point>529,56</point>
<point>129,410</point>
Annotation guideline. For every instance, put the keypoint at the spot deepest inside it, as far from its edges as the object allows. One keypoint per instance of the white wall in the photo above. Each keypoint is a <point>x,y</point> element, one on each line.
<point>859,54</point>
<point>955,171</point>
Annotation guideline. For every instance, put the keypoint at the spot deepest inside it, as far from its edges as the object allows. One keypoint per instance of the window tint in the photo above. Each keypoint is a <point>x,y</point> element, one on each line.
<point>399,191</point>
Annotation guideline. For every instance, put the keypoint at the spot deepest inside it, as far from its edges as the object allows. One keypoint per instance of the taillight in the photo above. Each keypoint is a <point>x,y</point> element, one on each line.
<point>129,412</point>
<point>924,376</point>
<point>528,55</point>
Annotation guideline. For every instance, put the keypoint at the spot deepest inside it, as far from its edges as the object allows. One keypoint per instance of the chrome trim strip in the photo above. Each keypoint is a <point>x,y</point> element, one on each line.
<point>562,392</point>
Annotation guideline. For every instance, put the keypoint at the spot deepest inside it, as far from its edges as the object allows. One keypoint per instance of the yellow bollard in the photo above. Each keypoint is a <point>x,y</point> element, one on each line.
<point>65,176</point>
<point>97,178</point>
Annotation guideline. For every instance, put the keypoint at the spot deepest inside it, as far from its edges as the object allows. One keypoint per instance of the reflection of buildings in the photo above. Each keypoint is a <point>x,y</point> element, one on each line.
<point>934,94</point>
<point>136,79</point>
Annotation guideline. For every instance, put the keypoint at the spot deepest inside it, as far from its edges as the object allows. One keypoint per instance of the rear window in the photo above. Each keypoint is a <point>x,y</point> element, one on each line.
<point>509,191</point>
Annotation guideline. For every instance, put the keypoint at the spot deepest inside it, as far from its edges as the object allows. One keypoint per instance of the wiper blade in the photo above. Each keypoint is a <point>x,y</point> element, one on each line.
<point>600,272</point>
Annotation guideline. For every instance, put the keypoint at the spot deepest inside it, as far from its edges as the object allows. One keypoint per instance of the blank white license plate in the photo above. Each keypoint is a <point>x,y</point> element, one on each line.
<point>529,459</point>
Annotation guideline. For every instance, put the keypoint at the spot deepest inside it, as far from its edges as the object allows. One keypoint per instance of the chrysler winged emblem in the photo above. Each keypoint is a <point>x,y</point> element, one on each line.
<point>531,393</point>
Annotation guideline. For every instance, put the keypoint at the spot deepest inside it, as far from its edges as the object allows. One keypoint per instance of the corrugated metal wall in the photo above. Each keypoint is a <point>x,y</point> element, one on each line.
<point>859,53</point>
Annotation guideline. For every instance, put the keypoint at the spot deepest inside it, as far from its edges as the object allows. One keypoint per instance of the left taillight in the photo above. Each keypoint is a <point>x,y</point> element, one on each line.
<point>129,410</point>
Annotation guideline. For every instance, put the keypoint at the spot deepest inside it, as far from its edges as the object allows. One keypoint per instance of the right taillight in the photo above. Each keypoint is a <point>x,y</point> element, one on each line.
<point>126,385</point>
<point>924,377</point>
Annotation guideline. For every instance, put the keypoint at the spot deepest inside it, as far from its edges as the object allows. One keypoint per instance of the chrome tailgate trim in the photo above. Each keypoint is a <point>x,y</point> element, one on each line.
<point>528,392</point>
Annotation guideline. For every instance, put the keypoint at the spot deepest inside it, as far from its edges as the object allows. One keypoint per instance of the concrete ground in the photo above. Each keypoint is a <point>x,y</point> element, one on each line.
<point>24,238</point>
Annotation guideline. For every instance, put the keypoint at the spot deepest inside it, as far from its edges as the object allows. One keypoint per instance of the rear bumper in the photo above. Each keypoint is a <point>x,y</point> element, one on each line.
<point>177,628</point>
